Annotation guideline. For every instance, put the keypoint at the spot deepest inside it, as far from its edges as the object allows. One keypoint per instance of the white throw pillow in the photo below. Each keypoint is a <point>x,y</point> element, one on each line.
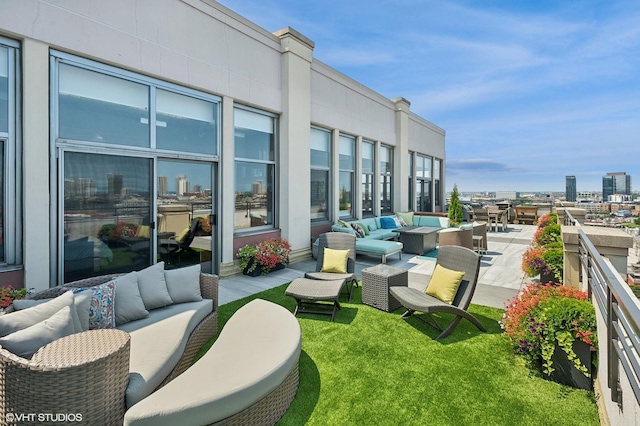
<point>81,301</point>
<point>153,287</point>
<point>20,320</point>
<point>27,341</point>
<point>184,284</point>
<point>128,302</point>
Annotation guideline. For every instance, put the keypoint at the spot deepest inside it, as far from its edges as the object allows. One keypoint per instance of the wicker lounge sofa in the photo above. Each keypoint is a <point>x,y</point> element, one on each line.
<point>240,380</point>
<point>151,351</point>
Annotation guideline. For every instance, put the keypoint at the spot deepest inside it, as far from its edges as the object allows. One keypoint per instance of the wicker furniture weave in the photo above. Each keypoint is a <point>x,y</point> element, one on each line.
<point>200,335</point>
<point>269,409</point>
<point>376,282</point>
<point>455,258</point>
<point>311,295</point>
<point>456,237</point>
<point>86,374</point>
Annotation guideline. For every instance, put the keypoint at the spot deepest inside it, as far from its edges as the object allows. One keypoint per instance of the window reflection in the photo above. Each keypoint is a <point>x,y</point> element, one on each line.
<point>106,215</point>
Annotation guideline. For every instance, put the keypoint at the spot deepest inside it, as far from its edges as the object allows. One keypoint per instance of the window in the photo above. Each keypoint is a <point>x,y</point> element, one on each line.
<point>126,185</point>
<point>368,163</point>
<point>320,173</point>
<point>255,169</point>
<point>10,210</point>
<point>386,180</point>
<point>347,175</point>
<point>423,183</point>
<point>411,182</point>
<point>96,107</point>
<point>436,182</point>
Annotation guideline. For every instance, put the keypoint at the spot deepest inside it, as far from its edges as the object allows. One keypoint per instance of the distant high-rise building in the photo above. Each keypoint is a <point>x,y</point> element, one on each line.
<point>114,184</point>
<point>163,185</point>
<point>571,192</point>
<point>615,183</point>
<point>182,185</point>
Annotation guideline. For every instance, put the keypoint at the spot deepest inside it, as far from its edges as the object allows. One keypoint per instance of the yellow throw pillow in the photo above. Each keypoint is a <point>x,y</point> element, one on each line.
<point>143,231</point>
<point>182,234</point>
<point>335,261</point>
<point>444,284</point>
<point>407,217</point>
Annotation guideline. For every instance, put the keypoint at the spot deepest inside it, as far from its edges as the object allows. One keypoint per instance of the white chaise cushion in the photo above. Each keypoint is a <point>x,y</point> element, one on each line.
<point>257,349</point>
<point>27,341</point>
<point>157,343</point>
<point>20,320</point>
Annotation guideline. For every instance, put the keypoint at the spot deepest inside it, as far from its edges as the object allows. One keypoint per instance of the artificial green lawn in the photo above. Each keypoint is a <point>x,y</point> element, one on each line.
<point>370,367</point>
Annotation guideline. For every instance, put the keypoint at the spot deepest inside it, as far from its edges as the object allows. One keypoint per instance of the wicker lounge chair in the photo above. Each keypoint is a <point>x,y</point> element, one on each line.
<point>455,258</point>
<point>319,292</point>
<point>336,241</point>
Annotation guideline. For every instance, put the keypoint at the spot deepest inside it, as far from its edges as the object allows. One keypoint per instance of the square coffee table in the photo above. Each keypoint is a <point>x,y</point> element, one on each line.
<point>375,286</point>
<point>419,240</point>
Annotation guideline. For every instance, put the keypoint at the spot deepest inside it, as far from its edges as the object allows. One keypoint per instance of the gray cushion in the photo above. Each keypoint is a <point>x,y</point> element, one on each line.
<point>27,341</point>
<point>153,287</point>
<point>20,320</point>
<point>184,284</point>
<point>128,302</point>
<point>157,344</point>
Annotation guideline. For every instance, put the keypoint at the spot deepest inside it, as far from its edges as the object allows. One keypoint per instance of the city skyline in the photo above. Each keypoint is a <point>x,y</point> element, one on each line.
<point>526,92</point>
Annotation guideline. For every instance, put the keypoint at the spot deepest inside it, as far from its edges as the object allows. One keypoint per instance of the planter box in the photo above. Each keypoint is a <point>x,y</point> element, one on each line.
<point>565,371</point>
<point>258,270</point>
<point>550,277</point>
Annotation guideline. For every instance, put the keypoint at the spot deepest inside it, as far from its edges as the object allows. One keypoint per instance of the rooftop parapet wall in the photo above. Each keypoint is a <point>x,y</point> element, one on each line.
<point>611,243</point>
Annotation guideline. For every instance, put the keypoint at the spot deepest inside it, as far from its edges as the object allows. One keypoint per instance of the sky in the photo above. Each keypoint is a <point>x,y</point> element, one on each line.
<point>528,92</point>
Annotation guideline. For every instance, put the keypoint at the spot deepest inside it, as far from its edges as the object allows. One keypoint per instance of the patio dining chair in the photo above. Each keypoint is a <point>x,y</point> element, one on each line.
<point>453,258</point>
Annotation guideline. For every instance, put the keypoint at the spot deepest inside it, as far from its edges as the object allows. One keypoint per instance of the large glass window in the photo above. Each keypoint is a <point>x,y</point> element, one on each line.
<point>254,137</point>
<point>109,193</point>
<point>320,173</point>
<point>184,123</point>
<point>423,183</point>
<point>368,163</point>
<point>106,214</point>
<point>436,183</point>
<point>97,107</point>
<point>4,89</point>
<point>10,169</point>
<point>411,182</point>
<point>347,175</point>
<point>386,180</point>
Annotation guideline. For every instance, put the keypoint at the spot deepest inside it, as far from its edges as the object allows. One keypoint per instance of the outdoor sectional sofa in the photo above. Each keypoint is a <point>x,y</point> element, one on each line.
<point>380,232</point>
<point>165,318</point>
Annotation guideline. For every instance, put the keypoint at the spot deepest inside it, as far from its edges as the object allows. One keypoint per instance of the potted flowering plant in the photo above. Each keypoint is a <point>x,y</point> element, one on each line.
<point>8,294</point>
<point>545,255</point>
<point>268,255</point>
<point>554,329</point>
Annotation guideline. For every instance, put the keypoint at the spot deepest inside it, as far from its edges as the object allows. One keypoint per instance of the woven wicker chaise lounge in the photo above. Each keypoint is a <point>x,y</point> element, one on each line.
<point>248,377</point>
<point>83,372</point>
<point>454,258</point>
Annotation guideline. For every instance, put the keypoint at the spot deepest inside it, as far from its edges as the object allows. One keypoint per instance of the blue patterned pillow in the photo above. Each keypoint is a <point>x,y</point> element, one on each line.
<point>101,312</point>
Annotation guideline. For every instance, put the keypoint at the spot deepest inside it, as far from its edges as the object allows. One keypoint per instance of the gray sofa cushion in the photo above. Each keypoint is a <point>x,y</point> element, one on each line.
<point>153,287</point>
<point>256,350</point>
<point>157,343</point>
<point>128,301</point>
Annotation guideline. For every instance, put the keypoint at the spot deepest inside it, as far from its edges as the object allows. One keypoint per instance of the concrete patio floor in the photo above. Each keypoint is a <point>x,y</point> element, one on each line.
<point>500,275</point>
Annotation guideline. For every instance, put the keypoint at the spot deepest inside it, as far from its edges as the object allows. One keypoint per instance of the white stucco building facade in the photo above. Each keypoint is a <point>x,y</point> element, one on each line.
<point>121,122</point>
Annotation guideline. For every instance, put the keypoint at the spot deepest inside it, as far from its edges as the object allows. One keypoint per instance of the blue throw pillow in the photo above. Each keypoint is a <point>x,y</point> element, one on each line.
<point>388,223</point>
